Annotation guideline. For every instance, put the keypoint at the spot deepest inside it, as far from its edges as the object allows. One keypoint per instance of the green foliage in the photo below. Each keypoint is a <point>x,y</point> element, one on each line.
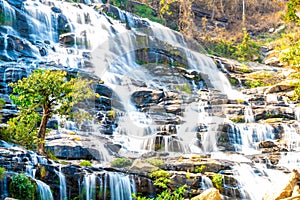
<point>233,81</point>
<point>85,163</point>
<point>247,49</point>
<point>43,171</point>
<point>118,3</point>
<point>2,103</point>
<point>178,194</point>
<point>111,114</point>
<point>21,187</point>
<point>292,7</point>
<point>238,119</point>
<point>156,162</point>
<point>185,88</point>
<point>51,155</point>
<point>296,95</point>
<point>161,178</point>
<point>199,169</point>
<point>221,48</point>
<point>254,83</point>
<point>121,162</point>
<point>50,91</point>
<point>146,12</point>
<point>22,129</point>
<point>217,180</point>
<point>2,173</point>
<point>291,56</point>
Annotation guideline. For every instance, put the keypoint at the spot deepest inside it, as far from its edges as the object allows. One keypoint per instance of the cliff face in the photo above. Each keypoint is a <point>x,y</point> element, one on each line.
<point>161,97</point>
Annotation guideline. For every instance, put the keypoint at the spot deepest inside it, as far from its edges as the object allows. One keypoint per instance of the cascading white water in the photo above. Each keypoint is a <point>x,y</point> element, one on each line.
<point>249,117</point>
<point>89,187</point>
<point>291,137</point>
<point>62,184</point>
<point>256,185</point>
<point>44,190</point>
<point>121,186</point>
<point>205,183</point>
<point>9,14</point>
<point>244,137</point>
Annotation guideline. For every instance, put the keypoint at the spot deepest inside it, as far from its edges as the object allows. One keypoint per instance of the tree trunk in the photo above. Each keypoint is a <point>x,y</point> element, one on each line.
<point>42,133</point>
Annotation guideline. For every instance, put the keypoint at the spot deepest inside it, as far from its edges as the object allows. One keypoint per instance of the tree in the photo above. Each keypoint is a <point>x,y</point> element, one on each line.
<point>49,92</point>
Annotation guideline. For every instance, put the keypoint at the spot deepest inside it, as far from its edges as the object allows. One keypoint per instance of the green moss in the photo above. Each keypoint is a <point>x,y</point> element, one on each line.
<point>156,162</point>
<point>184,88</point>
<point>85,163</point>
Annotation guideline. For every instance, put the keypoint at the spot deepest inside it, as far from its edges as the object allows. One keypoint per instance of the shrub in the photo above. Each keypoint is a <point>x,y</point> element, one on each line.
<point>199,169</point>
<point>85,163</point>
<point>254,83</point>
<point>291,11</point>
<point>121,162</point>
<point>21,187</point>
<point>217,180</point>
<point>161,178</point>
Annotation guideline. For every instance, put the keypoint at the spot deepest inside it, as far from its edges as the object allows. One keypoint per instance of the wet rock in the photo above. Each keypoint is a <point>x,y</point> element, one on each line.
<point>267,144</point>
<point>143,166</point>
<point>209,194</point>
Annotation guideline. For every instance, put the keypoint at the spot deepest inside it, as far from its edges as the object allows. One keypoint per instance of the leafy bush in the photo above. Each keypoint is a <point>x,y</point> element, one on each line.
<point>2,173</point>
<point>292,6</point>
<point>166,195</point>
<point>121,162</point>
<point>22,130</point>
<point>21,187</point>
<point>254,83</point>
<point>85,163</point>
<point>217,180</point>
<point>199,169</point>
<point>247,49</point>
<point>161,178</point>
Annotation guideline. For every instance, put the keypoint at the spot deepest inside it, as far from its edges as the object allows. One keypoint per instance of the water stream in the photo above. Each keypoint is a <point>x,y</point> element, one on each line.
<point>74,36</point>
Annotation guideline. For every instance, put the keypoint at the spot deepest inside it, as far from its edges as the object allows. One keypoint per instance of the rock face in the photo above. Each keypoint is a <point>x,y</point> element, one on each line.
<point>209,194</point>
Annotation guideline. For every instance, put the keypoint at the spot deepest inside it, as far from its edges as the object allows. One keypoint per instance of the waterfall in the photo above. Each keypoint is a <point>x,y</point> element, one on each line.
<point>244,137</point>
<point>62,184</point>
<point>115,186</point>
<point>205,183</point>
<point>256,185</point>
<point>44,190</point>
<point>291,137</point>
<point>249,117</point>
<point>89,186</point>
<point>121,186</point>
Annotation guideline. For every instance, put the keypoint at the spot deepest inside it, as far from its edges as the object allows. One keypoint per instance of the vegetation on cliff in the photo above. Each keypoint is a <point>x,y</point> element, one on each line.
<point>38,97</point>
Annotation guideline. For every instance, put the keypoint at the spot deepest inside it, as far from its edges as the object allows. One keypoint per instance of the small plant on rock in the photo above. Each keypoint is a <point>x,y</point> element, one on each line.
<point>2,173</point>
<point>161,178</point>
<point>217,180</point>
<point>85,163</point>
<point>121,162</point>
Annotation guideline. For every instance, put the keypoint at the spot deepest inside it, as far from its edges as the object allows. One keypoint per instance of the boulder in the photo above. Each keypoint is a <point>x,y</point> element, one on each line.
<point>209,194</point>
<point>144,166</point>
